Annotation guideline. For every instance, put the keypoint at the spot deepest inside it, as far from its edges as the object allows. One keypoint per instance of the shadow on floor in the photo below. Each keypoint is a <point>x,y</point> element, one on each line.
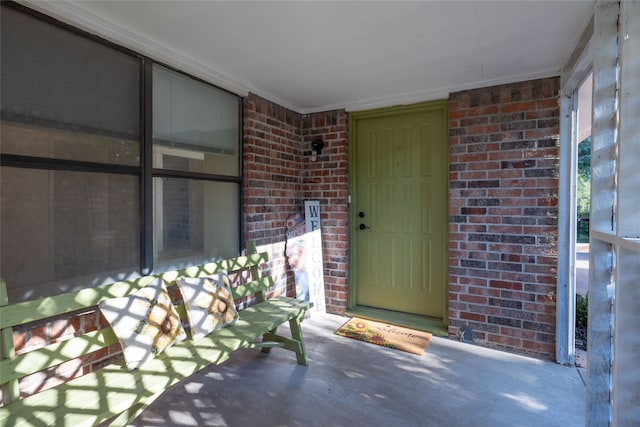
<point>353,383</point>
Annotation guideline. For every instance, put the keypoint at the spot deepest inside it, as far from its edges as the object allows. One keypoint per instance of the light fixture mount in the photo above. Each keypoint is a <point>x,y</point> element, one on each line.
<point>316,148</point>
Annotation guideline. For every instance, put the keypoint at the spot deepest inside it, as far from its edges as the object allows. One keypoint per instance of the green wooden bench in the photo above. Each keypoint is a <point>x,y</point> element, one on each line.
<point>113,393</point>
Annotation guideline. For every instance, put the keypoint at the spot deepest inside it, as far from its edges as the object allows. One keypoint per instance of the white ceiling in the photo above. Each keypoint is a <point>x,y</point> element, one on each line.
<point>320,55</point>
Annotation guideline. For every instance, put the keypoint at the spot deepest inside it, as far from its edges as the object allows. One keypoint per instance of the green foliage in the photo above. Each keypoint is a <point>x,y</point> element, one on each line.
<point>582,311</point>
<point>584,158</point>
<point>583,195</point>
<point>584,178</point>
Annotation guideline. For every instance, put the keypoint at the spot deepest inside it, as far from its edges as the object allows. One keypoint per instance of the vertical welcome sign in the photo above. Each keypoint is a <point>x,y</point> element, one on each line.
<point>304,255</point>
<point>313,248</point>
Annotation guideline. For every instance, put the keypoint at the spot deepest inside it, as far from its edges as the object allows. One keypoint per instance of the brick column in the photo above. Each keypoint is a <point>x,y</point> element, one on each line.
<point>503,214</point>
<point>326,180</point>
<point>272,183</point>
<point>279,176</point>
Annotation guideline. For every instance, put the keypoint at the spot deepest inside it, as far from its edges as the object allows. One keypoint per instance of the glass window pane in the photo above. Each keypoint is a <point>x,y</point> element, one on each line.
<point>65,96</point>
<point>194,222</point>
<point>65,230</point>
<point>30,139</point>
<point>195,125</point>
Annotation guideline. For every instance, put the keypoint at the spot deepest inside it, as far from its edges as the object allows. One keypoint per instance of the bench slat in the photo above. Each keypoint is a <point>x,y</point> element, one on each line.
<point>247,289</point>
<point>112,389</point>
<point>55,354</point>
<point>30,311</point>
<point>230,265</point>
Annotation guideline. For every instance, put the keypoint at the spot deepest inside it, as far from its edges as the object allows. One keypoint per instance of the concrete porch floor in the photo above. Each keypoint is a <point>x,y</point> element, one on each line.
<point>352,383</point>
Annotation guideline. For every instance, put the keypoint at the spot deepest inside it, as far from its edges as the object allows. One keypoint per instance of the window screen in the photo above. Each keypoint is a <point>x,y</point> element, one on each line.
<point>70,175</point>
<point>196,138</point>
<point>75,199</point>
<point>64,230</point>
<point>65,96</point>
<point>195,126</point>
<point>195,221</point>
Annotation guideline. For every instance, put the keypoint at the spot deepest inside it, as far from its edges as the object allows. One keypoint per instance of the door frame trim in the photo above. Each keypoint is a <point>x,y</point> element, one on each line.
<point>353,118</point>
<point>573,75</point>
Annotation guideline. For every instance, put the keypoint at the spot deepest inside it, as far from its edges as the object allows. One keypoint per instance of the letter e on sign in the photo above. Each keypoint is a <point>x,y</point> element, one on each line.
<point>312,215</point>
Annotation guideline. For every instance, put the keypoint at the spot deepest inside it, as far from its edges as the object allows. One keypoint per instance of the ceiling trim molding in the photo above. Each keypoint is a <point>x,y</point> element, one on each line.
<point>76,16</point>
<point>431,95</point>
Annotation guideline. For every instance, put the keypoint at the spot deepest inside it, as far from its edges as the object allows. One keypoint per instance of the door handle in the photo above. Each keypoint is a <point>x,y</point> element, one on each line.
<point>363,227</point>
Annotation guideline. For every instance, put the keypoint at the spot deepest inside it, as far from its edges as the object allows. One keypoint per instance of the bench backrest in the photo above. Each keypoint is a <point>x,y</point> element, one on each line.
<point>15,367</point>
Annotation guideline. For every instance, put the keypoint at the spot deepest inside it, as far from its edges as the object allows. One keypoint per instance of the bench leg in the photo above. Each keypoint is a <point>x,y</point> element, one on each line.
<point>296,334</point>
<point>295,343</point>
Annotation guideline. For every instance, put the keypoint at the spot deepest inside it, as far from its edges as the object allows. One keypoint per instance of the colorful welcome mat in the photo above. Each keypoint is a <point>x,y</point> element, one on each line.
<point>386,335</point>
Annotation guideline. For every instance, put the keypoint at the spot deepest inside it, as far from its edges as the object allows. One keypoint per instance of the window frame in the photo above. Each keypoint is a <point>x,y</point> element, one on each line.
<point>144,170</point>
<point>149,172</point>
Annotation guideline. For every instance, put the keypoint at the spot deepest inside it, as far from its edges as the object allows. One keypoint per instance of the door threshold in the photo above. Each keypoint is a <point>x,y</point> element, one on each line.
<point>433,325</point>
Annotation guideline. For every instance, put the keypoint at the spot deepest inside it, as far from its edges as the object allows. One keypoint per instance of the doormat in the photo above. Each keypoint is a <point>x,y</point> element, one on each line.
<point>386,335</point>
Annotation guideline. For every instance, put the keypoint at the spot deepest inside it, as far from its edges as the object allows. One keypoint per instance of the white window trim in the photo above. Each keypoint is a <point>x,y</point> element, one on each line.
<point>572,77</point>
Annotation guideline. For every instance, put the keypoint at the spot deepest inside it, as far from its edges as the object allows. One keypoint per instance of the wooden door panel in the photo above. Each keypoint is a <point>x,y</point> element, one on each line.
<point>401,164</point>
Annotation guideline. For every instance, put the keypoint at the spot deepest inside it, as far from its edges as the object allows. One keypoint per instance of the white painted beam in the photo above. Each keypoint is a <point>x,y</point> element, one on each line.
<point>605,78</point>
<point>625,399</point>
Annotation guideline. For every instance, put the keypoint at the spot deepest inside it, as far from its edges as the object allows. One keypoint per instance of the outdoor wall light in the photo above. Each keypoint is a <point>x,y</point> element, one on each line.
<point>316,148</point>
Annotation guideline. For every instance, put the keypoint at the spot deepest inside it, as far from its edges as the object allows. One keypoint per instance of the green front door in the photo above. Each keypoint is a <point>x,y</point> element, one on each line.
<point>399,214</point>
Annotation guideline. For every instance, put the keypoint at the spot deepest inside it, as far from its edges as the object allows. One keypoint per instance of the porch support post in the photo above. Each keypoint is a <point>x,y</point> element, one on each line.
<point>625,398</point>
<point>603,188</point>
<point>565,291</point>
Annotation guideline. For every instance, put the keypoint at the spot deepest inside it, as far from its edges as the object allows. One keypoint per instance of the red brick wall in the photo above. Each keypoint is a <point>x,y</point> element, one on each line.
<point>279,175</point>
<point>326,180</point>
<point>272,155</point>
<point>503,214</point>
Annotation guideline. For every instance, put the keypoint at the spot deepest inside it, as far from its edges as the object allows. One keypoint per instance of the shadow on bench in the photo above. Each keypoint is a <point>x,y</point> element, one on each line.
<point>113,393</point>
